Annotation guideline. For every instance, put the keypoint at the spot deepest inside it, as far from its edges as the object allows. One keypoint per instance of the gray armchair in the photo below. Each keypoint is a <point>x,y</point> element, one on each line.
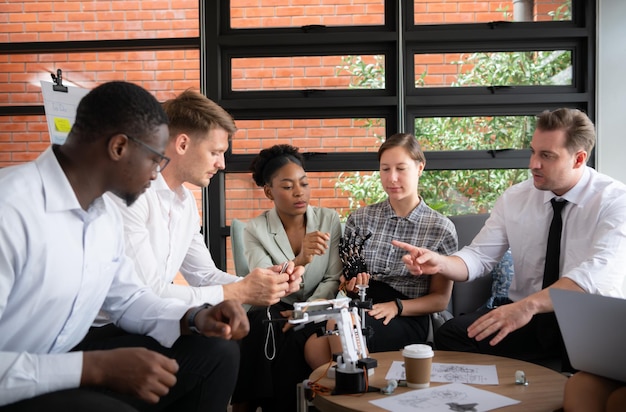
<point>469,296</point>
<point>236,245</point>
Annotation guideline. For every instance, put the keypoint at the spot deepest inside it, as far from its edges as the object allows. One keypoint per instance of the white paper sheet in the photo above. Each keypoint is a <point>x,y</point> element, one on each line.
<point>60,109</point>
<point>445,398</point>
<point>451,372</point>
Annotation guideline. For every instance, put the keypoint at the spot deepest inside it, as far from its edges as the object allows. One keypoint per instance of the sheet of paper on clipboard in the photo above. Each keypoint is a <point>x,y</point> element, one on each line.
<point>60,109</point>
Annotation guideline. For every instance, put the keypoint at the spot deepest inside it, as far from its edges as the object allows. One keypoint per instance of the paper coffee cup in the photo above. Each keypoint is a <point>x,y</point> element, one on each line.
<point>418,361</point>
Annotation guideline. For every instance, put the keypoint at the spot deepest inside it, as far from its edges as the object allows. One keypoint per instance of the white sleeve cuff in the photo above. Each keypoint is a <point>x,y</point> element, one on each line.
<point>212,294</point>
<point>25,375</point>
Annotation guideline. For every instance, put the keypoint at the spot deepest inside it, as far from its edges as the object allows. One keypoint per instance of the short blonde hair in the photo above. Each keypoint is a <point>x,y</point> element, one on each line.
<point>194,114</point>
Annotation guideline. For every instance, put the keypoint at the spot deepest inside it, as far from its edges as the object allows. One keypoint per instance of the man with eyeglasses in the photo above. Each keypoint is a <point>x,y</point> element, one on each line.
<point>160,161</point>
<point>162,229</point>
<point>62,259</point>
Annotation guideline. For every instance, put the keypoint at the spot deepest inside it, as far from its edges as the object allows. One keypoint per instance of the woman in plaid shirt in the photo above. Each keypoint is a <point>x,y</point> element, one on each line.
<point>402,302</point>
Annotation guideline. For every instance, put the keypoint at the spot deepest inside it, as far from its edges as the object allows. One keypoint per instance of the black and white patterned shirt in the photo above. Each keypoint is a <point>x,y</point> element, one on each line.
<point>423,227</point>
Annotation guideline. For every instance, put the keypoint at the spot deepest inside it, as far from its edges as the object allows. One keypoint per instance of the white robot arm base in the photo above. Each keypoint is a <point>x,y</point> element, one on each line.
<point>353,364</point>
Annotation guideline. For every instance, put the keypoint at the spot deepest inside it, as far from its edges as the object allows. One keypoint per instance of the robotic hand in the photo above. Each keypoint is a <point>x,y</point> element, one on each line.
<point>353,363</point>
<point>351,253</point>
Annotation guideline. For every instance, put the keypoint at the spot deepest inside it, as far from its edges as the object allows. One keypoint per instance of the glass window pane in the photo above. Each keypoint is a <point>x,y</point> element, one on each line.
<point>451,192</point>
<point>520,68</point>
<point>62,20</point>
<point>474,133</point>
<point>245,14</point>
<point>308,72</point>
<point>310,135</point>
<point>484,11</point>
<point>164,73</point>
<point>457,192</point>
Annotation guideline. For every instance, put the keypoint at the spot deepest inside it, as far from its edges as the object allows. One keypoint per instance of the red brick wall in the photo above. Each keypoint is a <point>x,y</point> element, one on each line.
<point>40,20</point>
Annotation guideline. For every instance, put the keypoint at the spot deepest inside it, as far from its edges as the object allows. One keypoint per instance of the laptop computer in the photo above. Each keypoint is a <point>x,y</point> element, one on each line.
<point>594,331</point>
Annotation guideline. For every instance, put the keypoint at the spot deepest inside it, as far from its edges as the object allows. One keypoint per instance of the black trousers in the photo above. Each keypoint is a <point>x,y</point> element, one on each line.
<point>205,380</point>
<point>401,330</point>
<point>271,384</point>
<point>539,341</point>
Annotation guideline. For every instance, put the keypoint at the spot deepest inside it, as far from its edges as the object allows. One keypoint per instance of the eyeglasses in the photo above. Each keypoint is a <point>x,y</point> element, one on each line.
<point>163,160</point>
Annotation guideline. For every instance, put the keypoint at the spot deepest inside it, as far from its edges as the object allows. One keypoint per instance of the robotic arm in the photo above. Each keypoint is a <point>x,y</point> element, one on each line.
<point>353,363</point>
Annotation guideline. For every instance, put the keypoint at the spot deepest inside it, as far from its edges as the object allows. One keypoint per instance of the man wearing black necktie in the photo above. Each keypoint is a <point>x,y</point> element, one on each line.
<point>583,248</point>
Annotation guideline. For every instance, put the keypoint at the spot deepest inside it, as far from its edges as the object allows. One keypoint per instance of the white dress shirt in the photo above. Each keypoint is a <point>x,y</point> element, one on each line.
<point>162,234</point>
<point>593,243</point>
<point>59,264</point>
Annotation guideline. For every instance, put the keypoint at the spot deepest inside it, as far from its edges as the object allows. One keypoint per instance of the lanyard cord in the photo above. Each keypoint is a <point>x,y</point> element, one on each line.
<point>270,339</point>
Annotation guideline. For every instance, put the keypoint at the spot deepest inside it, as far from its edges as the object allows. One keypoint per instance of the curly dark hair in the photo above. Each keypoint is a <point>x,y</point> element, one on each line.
<point>268,161</point>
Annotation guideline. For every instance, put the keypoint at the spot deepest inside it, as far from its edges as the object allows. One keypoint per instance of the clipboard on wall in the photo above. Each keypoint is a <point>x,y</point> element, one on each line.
<point>60,104</point>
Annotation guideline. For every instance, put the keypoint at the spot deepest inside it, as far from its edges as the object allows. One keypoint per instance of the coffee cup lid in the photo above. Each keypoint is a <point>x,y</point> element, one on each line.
<point>418,350</point>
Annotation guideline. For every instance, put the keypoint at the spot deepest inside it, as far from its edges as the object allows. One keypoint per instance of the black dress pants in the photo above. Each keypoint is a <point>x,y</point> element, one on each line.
<point>539,340</point>
<point>205,379</point>
<point>271,384</point>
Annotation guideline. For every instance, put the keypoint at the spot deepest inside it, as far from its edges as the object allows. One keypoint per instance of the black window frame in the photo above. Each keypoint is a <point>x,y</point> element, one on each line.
<point>400,102</point>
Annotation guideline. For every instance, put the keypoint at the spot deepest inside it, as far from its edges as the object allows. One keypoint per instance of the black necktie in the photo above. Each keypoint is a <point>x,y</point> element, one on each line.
<point>553,251</point>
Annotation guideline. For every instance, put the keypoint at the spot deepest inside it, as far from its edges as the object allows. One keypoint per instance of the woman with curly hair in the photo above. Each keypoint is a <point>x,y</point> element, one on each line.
<point>272,355</point>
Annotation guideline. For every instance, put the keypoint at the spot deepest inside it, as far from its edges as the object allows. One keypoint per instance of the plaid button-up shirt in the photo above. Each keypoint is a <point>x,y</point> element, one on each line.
<point>423,227</point>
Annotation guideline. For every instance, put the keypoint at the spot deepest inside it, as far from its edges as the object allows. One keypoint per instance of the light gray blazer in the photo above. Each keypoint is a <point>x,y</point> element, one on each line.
<point>266,244</point>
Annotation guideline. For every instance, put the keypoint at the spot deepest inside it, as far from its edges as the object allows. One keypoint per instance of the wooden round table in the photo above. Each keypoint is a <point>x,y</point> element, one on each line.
<point>543,393</point>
